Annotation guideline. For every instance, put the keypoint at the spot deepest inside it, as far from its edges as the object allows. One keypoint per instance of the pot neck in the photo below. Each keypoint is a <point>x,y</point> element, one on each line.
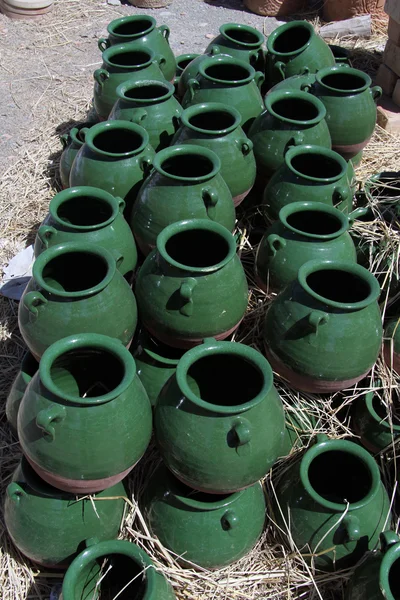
<point>309,220</point>
<point>99,208</point>
<point>229,30</point>
<point>281,42</point>
<point>135,94</point>
<point>126,26</point>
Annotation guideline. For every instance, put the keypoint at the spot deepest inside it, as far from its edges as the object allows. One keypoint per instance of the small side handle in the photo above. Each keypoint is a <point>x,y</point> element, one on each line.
<point>100,76</point>
<point>33,301</point>
<point>229,520</point>
<point>146,164</point>
<point>281,68</point>
<point>298,138</point>
<point>47,417</point>
<point>186,294</point>
<point>242,431</point>
<point>103,44</point>
<point>121,203</point>
<point>259,78</point>
<point>316,319</point>
<point>193,86</point>
<point>45,233</point>
<point>15,492</point>
<point>352,528</point>
<point>210,199</point>
<point>387,539</point>
<point>275,243</point>
<point>376,92</point>
<point>165,31</point>
<point>138,116</point>
<point>356,214</point>
<point>246,146</point>
<point>64,139</point>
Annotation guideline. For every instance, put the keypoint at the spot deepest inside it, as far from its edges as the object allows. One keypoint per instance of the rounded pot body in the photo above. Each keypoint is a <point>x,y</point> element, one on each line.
<point>72,143</point>
<point>86,395</point>
<point>29,366</point>
<point>185,184</point>
<point>34,513</point>
<point>193,285</point>
<point>327,314</point>
<point>229,416</point>
<point>217,127</point>
<point>207,530</point>
<point>191,70</point>
<point>242,42</point>
<point>75,288</point>
<point>91,215</point>
<point>374,422</point>
<point>391,347</point>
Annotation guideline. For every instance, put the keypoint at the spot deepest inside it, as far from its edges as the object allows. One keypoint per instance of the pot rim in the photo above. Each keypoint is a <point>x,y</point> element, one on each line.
<point>279,95</point>
<point>369,398</point>
<point>297,207</point>
<point>117,124</point>
<point>239,26</point>
<point>89,341</point>
<point>282,29</point>
<point>336,265</point>
<point>101,549</point>
<point>190,224</point>
<point>82,191</point>
<point>73,133</point>
<point>108,54</point>
<point>129,19</point>
<point>50,253</point>
<point>190,55</point>
<point>130,85</point>
<point>211,347</point>
<point>343,71</point>
<point>390,556</point>
<point>187,150</point>
<point>209,62</point>
<point>197,109</point>
<point>314,149</point>
<point>343,446</point>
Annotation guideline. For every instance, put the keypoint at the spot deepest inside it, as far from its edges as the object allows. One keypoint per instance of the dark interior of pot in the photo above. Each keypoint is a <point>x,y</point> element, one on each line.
<point>75,271</point>
<point>394,579</point>
<point>343,81</point>
<point>133,27</point>
<point>188,165</point>
<point>84,211</point>
<point>227,72</point>
<point>213,120</point>
<point>314,222</point>
<point>382,410</point>
<point>316,166</point>
<point>87,372</point>
<point>198,248</point>
<point>210,378</point>
<point>340,477</point>
<point>118,141</point>
<point>134,58</point>
<point>241,35</point>
<point>117,577</point>
<point>292,39</point>
<point>339,286</point>
<point>29,365</point>
<point>386,187</point>
<point>146,92</point>
<point>182,63</point>
<point>295,109</point>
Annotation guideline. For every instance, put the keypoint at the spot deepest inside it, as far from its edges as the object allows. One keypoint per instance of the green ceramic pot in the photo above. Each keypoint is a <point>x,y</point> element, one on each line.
<point>328,314</point>
<point>29,366</point>
<point>191,70</point>
<point>242,42</point>
<point>142,30</point>
<point>391,347</point>
<point>185,183</point>
<point>335,503</point>
<point>35,514</point>
<point>229,81</point>
<point>291,118</point>
<point>124,62</point>
<point>152,105</point>
<point>72,143</point>
<point>85,420</point>
<point>193,285</point>
<point>309,173</point>
<point>377,577</point>
<point>217,127</point>
<point>115,157</point>
<point>304,231</point>
<point>105,569</point>
<point>75,288</point>
<point>293,49</point>
<point>223,402</point>
<point>341,55</point>
<point>206,530</point>
<point>182,61</point>
<point>91,215</point>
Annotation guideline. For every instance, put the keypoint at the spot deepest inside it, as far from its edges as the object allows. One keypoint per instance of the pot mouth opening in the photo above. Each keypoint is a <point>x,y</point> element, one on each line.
<point>191,164</point>
<point>148,90</point>
<point>183,61</point>
<point>293,38</point>
<point>295,108</point>
<point>242,35</point>
<point>132,27</point>
<point>313,221</point>
<point>121,140</point>
<point>131,59</point>
<point>381,413</point>
<point>211,119</point>
<point>343,81</point>
<point>390,573</point>
<point>29,366</point>
<point>316,165</point>
<point>75,133</point>
<point>82,210</point>
<point>385,186</point>
<point>227,72</point>
<point>201,500</point>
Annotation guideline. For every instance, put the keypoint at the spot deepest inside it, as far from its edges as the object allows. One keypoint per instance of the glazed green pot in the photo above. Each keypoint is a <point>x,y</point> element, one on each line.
<point>206,530</point>
<point>35,513</point>
<point>72,143</point>
<point>293,49</point>
<point>152,105</point>
<point>91,215</point>
<point>85,420</point>
<point>242,42</point>
<point>192,285</point>
<point>185,183</point>
<point>341,55</point>
<point>124,62</point>
<point>304,231</point>
<point>309,173</point>
<point>217,127</point>
<point>105,569</point>
<point>291,118</point>
<point>335,503</point>
<point>115,158</point>
<point>29,366</point>
<point>376,578</point>
<point>229,81</point>
<point>223,401</point>
<point>75,288</point>
<point>391,346</point>
<point>142,30</point>
<point>328,314</point>
<point>191,70</point>
<point>182,61</point>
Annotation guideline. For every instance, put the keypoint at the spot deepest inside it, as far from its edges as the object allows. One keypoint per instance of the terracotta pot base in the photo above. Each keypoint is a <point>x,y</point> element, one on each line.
<point>186,343</point>
<point>392,359</point>
<point>208,491</point>
<point>351,151</point>
<point>239,199</point>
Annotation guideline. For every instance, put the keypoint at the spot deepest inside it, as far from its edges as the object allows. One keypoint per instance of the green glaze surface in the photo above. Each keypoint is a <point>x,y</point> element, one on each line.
<point>48,525</point>
<point>310,173</point>
<point>217,127</point>
<point>115,158</point>
<point>291,118</point>
<point>191,70</point>
<point>326,315</point>
<point>229,81</point>
<point>341,54</point>
<point>219,422</point>
<point>192,285</point>
<point>124,62</point>
<point>29,366</point>
<point>207,530</point>
<point>335,503</point>
<point>142,30</point>
<point>182,61</point>
<point>152,105</point>
<point>242,42</point>
<point>85,396</point>
<point>185,183</point>
<point>84,579</point>
<point>91,215</point>
<point>304,231</point>
<point>72,143</point>
<point>75,288</point>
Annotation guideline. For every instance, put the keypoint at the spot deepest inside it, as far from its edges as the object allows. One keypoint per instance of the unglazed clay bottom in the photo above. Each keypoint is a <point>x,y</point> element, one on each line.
<point>186,343</point>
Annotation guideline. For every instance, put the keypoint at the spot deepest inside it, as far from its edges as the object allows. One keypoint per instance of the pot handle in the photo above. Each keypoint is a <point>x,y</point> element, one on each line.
<point>33,300</point>
<point>280,67</point>
<point>316,319</point>
<point>64,139</point>
<point>146,164</point>
<point>53,414</point>
<point>246,146</point>
<point>342,193</point>
<point>118,257</point>
<point>160,60</point>
<point>352,527</point>
<point>242,430</point>
<point>259,78</point>
<point>355,214</point>
<point>275,243</point>
<point>100,76</point>
<point>103,44</point>
<point>186,293</point>
<point>165,31</point>
<point>121,203</point>
<point>139,115</point>
<point>215,50</point>
<point>193,85</point>
<point>229,520</point>
<point>376,92</point>
<point>15,492</point>
<point>298,138</point>
<point>305,87</point>
<point>387,539</point>
<point>210,198</point>
<point>45,233</point>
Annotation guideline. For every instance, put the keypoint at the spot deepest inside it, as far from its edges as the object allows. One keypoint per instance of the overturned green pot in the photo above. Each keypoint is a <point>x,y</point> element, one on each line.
<point>29,366</point>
